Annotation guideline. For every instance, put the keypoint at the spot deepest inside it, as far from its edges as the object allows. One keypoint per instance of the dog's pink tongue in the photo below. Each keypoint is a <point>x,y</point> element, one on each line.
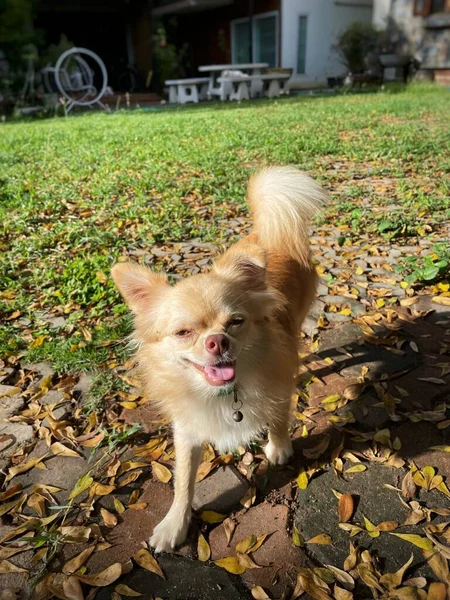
<point>220,372</point>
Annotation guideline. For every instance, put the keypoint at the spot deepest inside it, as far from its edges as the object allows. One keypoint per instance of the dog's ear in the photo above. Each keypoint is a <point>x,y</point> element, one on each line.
<point>245,262</point>
<point>139,286</point>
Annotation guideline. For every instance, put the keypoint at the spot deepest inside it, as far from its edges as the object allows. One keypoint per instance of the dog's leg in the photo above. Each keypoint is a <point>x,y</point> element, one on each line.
<point>172,530</point>
<point>279,447</point>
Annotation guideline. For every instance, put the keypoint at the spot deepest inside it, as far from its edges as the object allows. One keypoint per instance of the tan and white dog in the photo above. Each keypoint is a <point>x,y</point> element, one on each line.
<point>233,329</point>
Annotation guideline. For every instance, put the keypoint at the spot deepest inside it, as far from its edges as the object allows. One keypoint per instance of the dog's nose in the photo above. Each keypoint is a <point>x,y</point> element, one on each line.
<point>217,344</point>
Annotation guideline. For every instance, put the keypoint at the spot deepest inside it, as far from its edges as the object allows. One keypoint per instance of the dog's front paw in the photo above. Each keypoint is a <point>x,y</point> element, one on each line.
<point>279,454</point>
<point>170,533</point>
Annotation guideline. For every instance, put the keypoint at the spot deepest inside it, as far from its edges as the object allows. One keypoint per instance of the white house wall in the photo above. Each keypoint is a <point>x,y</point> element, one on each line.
<point>326,20</point>
<point>381,10</point>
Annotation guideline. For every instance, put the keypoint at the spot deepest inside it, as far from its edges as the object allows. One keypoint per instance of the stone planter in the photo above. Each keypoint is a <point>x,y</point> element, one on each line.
<point>393,61</point>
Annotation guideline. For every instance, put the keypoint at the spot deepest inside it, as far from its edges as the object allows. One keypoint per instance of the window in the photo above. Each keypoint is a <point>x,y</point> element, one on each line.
<point>264,39</point>
<point>301,47</point>
<point>240,42</point>
<point>428,7</point>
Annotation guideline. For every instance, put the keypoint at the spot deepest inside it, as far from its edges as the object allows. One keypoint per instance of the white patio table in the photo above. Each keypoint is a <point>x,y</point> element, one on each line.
<point>225,88</point>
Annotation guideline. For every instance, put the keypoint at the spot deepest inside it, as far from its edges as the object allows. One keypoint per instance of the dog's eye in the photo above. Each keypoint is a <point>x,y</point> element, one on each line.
<point>236,322</point>
<point>183,333</point>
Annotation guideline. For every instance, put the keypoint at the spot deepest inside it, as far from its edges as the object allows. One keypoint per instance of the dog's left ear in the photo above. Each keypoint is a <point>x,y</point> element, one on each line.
<point>246,263</point>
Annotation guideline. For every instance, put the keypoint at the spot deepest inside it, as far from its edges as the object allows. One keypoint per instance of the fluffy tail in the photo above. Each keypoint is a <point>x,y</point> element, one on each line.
<point>283,201</point>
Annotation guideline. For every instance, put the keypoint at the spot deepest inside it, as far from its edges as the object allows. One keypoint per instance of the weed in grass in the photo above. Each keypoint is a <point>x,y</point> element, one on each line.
<point>433,267</point>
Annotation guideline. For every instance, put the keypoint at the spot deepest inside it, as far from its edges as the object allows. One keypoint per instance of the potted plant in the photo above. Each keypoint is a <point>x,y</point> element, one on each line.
<point>355,44</point>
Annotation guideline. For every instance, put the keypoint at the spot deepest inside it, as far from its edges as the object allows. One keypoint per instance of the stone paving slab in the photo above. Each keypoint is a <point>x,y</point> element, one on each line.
<point>221,491</point>
<point>278,556</point>
<point>316,513</point>
<point>186,580</point>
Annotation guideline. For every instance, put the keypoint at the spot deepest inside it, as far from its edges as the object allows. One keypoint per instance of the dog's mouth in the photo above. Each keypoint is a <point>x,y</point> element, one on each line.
<point>218,374</point>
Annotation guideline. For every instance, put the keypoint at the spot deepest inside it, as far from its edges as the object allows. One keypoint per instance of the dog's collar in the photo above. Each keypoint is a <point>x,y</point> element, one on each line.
<point>236,404</point>
<point>226,390</point>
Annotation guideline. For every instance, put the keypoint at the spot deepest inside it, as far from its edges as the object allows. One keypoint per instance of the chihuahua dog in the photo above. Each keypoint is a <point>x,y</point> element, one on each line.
<point>218,350</point>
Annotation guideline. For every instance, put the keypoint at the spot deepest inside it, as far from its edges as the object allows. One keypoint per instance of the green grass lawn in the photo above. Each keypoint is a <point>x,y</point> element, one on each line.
<point>77,193</point>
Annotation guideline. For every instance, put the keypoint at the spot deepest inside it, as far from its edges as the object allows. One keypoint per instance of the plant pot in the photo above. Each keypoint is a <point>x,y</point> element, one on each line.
<point>394,60</point>
<point>335,82</point>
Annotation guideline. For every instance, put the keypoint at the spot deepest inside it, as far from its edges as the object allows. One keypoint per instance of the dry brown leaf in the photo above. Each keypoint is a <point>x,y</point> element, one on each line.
<point>346,507</point>
<point>312,585</point>
<point>119,507</point>
<point>387,526</point>
<point>161,472</point>
<point>394,580</point>
<point>259,542</point>
<point>249,497</point>
<point>246,561</point>
<point>129,478</point>
<point>138,506</point>
<point>60,450</point>
<point>125,590</point>
<point>443,549</point>
<point>8,567</point>
<point>366,574</point>
<point>352,558</point>
<point>408,486</point>
<point>259,594</point>
<point>354,391</point>
<point>443,300</point>
<point>75,534</point>
<point>318,449</point>
<point>417,582</point>
<point>77,561</point>
<point>203,549</point>
<point>7,506</point>
<point>101,489</point>
<point>103,578</point>
<point>342,576</point>
<point>341,594</point>
<point>13,490</point>
<point>245,544</point>
<point>112,467</point>
<point>203,470</point>
<point>437,591</point>
<point>435,380</point>
<point>231,564</point>
<point>37,501</point>
<point>7,552</point>
<point>109,519</point>
<point>210,516</point>
<point>92,441</point>
<point>24,467</point>
<point>145,560</point>
<point>323,539</point>
<point>358,468</point>
<point>72,589</point>
<point>229,526</point>
<point>438,564</point>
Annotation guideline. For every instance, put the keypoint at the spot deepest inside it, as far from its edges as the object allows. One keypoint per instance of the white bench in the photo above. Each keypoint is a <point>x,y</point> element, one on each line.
<point>243,87</point>
<point>186,90</point>
<point>234,87</point>
<point>271,85</point>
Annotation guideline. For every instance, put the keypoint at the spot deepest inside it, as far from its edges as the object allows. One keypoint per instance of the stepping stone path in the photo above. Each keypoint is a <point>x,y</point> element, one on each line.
<point>373,404</point>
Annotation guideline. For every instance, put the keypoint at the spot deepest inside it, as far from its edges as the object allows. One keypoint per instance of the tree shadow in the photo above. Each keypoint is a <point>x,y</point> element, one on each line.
<point>393,381</point>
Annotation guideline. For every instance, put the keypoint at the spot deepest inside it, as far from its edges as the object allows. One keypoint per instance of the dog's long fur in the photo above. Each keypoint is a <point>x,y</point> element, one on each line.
<point>257,295</point>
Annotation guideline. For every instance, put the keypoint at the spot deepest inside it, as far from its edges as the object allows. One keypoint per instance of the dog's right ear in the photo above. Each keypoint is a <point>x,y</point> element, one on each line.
<point>139,286</point>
